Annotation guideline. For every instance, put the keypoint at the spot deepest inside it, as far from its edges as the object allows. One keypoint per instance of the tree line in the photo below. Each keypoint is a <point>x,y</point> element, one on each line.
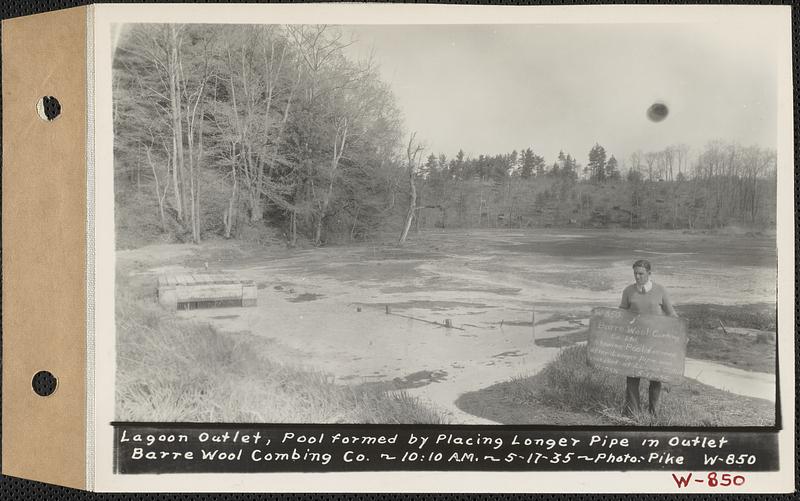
<point>725,184</point>
<point>221,128</point>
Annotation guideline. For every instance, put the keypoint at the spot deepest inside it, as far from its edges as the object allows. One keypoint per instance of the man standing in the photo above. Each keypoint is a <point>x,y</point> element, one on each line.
<point>644,298</point>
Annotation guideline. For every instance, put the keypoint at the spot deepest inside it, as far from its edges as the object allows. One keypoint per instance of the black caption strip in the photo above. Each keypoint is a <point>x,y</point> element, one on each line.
<point>223,448</point>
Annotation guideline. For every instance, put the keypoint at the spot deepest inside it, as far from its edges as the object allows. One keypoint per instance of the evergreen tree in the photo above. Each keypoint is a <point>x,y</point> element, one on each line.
<point>526,171</point>
<point>457,166</point>
<point>539,165</point>
<point>443,165</point>
<point>513,162</point>
<point>531,164</point>
<point>597,163</point>
<point>569,169</point>
<point>429,169</point>
<point>612,169</point>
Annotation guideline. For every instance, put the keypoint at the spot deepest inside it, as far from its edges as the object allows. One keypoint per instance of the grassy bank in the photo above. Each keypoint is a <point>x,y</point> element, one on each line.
<point>170,369</point>
<point>569,392</point>
<point>712,336</point>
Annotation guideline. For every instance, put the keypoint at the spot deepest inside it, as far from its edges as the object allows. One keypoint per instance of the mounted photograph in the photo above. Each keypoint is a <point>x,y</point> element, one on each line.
<point>569,224</point>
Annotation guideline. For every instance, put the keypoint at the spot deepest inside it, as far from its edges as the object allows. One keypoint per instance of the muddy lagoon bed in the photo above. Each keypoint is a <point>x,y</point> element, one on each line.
<point>374,314</point>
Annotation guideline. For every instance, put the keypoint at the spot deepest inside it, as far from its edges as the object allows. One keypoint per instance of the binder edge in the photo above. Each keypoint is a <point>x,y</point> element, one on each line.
<point>44,247</point>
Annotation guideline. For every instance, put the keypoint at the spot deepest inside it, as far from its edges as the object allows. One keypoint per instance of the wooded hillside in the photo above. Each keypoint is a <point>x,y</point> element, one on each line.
<point>229,131</point>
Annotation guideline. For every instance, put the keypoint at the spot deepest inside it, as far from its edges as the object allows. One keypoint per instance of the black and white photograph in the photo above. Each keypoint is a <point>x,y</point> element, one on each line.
<point>569,224</point>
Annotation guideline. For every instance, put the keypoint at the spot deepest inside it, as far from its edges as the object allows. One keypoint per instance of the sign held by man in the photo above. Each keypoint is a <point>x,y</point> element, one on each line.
<point>648,346</point>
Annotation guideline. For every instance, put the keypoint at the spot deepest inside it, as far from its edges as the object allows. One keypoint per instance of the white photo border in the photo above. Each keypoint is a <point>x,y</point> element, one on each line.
<point>772,18</point>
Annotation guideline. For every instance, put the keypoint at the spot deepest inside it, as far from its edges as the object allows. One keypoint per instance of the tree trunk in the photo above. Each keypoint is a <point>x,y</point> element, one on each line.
<point>355,222</point>
<point>228,217</point>
<point>318,231</point>
<point>138,176</point>
<point>196,173</point>
<point>229,213</point>
<point>294,227</point>
<point>412,153</point>
<point>256,207</point>
<point>190,146</point>
<point>177,126</point>
<point>409,214</point>
<point>176,189</point>
<point>159,197</point>
<point>338,151</point>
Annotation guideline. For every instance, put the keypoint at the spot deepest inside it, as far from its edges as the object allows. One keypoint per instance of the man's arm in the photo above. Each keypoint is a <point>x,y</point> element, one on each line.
<point>625,303</point>
<point>666,304</point>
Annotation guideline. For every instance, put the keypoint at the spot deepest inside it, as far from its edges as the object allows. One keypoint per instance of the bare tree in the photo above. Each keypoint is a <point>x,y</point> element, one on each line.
<point>635,161</point>
<point>175,107</point>
<point>651,157</point>
<point>160,195</point>
<point>194,94</point>
<point>413,155</point>
<point>682,152</point>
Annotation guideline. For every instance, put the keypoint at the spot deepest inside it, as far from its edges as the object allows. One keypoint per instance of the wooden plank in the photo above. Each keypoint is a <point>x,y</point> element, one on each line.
<point>179,288</point>
<point>166,296</point>
<point>249,295</point>
<point>208,292</point>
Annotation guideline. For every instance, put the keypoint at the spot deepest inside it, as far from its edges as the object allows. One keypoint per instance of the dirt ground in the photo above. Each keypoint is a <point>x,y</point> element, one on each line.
<point>375,313</point>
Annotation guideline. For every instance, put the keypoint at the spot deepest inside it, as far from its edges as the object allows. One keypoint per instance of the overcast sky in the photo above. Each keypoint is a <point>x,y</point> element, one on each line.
<point>493,89</point>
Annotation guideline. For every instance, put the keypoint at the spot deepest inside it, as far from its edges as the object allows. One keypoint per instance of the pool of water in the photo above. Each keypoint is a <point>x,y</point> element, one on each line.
<point>740,382</point>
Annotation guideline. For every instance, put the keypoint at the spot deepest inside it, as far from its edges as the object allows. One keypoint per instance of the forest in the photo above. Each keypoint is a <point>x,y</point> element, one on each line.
<point>251,131</point>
